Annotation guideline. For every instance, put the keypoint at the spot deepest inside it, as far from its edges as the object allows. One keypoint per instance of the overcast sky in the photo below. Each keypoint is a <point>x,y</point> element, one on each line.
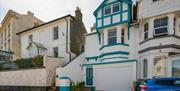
<point>48,10</point>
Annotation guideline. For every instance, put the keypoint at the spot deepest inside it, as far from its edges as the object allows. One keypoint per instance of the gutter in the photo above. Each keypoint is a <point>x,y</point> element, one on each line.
<point>67,37</point>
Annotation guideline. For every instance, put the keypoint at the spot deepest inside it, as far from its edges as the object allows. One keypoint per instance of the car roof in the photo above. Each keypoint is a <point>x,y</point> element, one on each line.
<point>170,78</point>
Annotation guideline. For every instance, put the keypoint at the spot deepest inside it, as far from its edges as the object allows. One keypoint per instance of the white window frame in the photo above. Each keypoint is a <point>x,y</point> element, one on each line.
<point>161,27</point>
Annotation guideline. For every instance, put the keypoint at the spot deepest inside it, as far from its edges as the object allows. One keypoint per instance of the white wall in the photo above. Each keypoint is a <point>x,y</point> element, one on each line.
<point>30,77</point>
<point>44,36</point>
<point>148,8</point>
<point>73,70</point>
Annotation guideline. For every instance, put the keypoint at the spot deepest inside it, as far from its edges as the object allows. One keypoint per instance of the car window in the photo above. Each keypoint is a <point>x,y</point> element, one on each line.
<point>177,83</point>
<point>164,82</point>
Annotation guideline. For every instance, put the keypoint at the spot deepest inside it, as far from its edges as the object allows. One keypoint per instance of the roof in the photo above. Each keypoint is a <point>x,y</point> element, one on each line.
<point>45,24</point>
<point>38,45</point>
<point>103,3</point>
<point>9,13</point>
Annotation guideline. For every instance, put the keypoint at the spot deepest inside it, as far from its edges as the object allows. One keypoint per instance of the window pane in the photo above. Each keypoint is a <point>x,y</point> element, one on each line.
<point>161,30</point>
<point>56,36</point>
<point>164,82</point>
<point>55,50</point>
<point>107,10</point>
<point>112,40</point>
<point>116,7</point>
<point>177,83</point>
<point>145,68</point>
<point>176,68</point>
<point>112,33</point>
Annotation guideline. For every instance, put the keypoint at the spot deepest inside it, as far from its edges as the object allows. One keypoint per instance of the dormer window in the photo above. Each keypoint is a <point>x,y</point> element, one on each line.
<point>107,10</point>
<point>161,26</point>
<point>116,8</point>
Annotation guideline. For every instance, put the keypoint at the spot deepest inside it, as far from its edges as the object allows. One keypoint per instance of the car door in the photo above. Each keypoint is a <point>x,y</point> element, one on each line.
<point>163,85</point>
<point>177,85</point>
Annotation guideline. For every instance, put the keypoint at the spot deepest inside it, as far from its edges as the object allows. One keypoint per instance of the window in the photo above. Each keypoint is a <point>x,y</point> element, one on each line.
<point>174,24</point>
<point>177,83</point>
<point>9,43</point>
<point>107,10</point>
<point>116,7</point>
<point>5,34</point>
<point>145,68</point>
<point>146,28</point>
<point>159,67</point>
<point>176,68</point>
<point>164,82</point>
<point>9,30</point>
<point>161,26</point>
<point>56,32</point>
<point>30,37</point>
<point>55,51</point>
<point>122,36</point>
<point>155,0</point>
<point>112,37</point>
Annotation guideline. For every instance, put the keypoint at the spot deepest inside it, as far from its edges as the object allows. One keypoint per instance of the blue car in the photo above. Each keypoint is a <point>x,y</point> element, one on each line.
<point>161,84</point>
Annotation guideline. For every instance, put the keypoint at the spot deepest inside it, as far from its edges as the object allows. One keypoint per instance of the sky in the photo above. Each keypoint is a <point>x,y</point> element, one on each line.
<point>47,10</point>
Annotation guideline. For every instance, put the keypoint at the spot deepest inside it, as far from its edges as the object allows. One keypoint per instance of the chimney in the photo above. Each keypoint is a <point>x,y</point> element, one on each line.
<point>30,13</point>
<point>78,13</point>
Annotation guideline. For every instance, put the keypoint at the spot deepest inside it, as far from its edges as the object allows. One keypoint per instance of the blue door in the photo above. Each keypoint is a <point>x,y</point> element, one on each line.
<point>89,76</point>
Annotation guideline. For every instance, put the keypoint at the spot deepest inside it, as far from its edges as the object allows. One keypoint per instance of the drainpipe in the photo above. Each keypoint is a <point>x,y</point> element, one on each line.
<point>67,44</point>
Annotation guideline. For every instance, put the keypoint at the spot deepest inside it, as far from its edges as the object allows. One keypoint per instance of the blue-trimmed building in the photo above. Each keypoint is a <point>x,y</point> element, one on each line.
<point>110,64</point>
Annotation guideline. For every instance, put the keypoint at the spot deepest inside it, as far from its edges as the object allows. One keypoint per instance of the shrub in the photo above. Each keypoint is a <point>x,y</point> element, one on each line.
<point>37,61</point>
<point>24,62</point>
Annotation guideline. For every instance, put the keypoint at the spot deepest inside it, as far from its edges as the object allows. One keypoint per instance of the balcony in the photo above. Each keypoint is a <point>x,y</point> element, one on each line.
<point>168,41</point>
<point>116,49</point>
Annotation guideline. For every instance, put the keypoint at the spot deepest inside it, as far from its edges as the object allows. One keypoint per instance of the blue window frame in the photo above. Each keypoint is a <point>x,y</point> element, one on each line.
<point>112,37</point>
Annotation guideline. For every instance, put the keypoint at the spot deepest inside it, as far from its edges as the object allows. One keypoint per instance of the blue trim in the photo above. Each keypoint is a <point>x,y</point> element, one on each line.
<point>103,4</point>
<point>107,54</point>
<point>94,57</point>
<point>91,33</point>
<point>103,63</point>
<point>114,58</point>
<point>113,45</point>
<point>64,88</point>
<point>114,53</point>
<point>65,77</point>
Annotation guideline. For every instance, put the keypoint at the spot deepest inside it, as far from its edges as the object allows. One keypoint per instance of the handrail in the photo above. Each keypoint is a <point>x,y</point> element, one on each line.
<point>72,59</point>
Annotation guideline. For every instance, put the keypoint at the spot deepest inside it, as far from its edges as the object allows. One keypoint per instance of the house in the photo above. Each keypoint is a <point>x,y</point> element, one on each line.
<point>11,24</point>
<point>159,38</point>
<point>110,62</point>
<point>62,37</point>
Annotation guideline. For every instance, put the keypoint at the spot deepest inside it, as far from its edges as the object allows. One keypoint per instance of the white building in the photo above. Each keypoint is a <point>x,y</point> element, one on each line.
<point>159,38</point>
<point>110,62</point>
<point>56,38</point>
<point>123,51</point>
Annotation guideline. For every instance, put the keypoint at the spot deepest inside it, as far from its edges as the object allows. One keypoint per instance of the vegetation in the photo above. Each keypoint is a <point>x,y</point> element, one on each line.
<point>78,85</point>
<point>23,63</point>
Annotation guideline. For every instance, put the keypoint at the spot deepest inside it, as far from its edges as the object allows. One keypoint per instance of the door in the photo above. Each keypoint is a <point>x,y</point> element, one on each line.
<point>89,76</point>
<point>117,77</point>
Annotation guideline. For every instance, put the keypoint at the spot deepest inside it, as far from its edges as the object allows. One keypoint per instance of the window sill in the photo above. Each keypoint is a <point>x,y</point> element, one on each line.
<point>158,37</point>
